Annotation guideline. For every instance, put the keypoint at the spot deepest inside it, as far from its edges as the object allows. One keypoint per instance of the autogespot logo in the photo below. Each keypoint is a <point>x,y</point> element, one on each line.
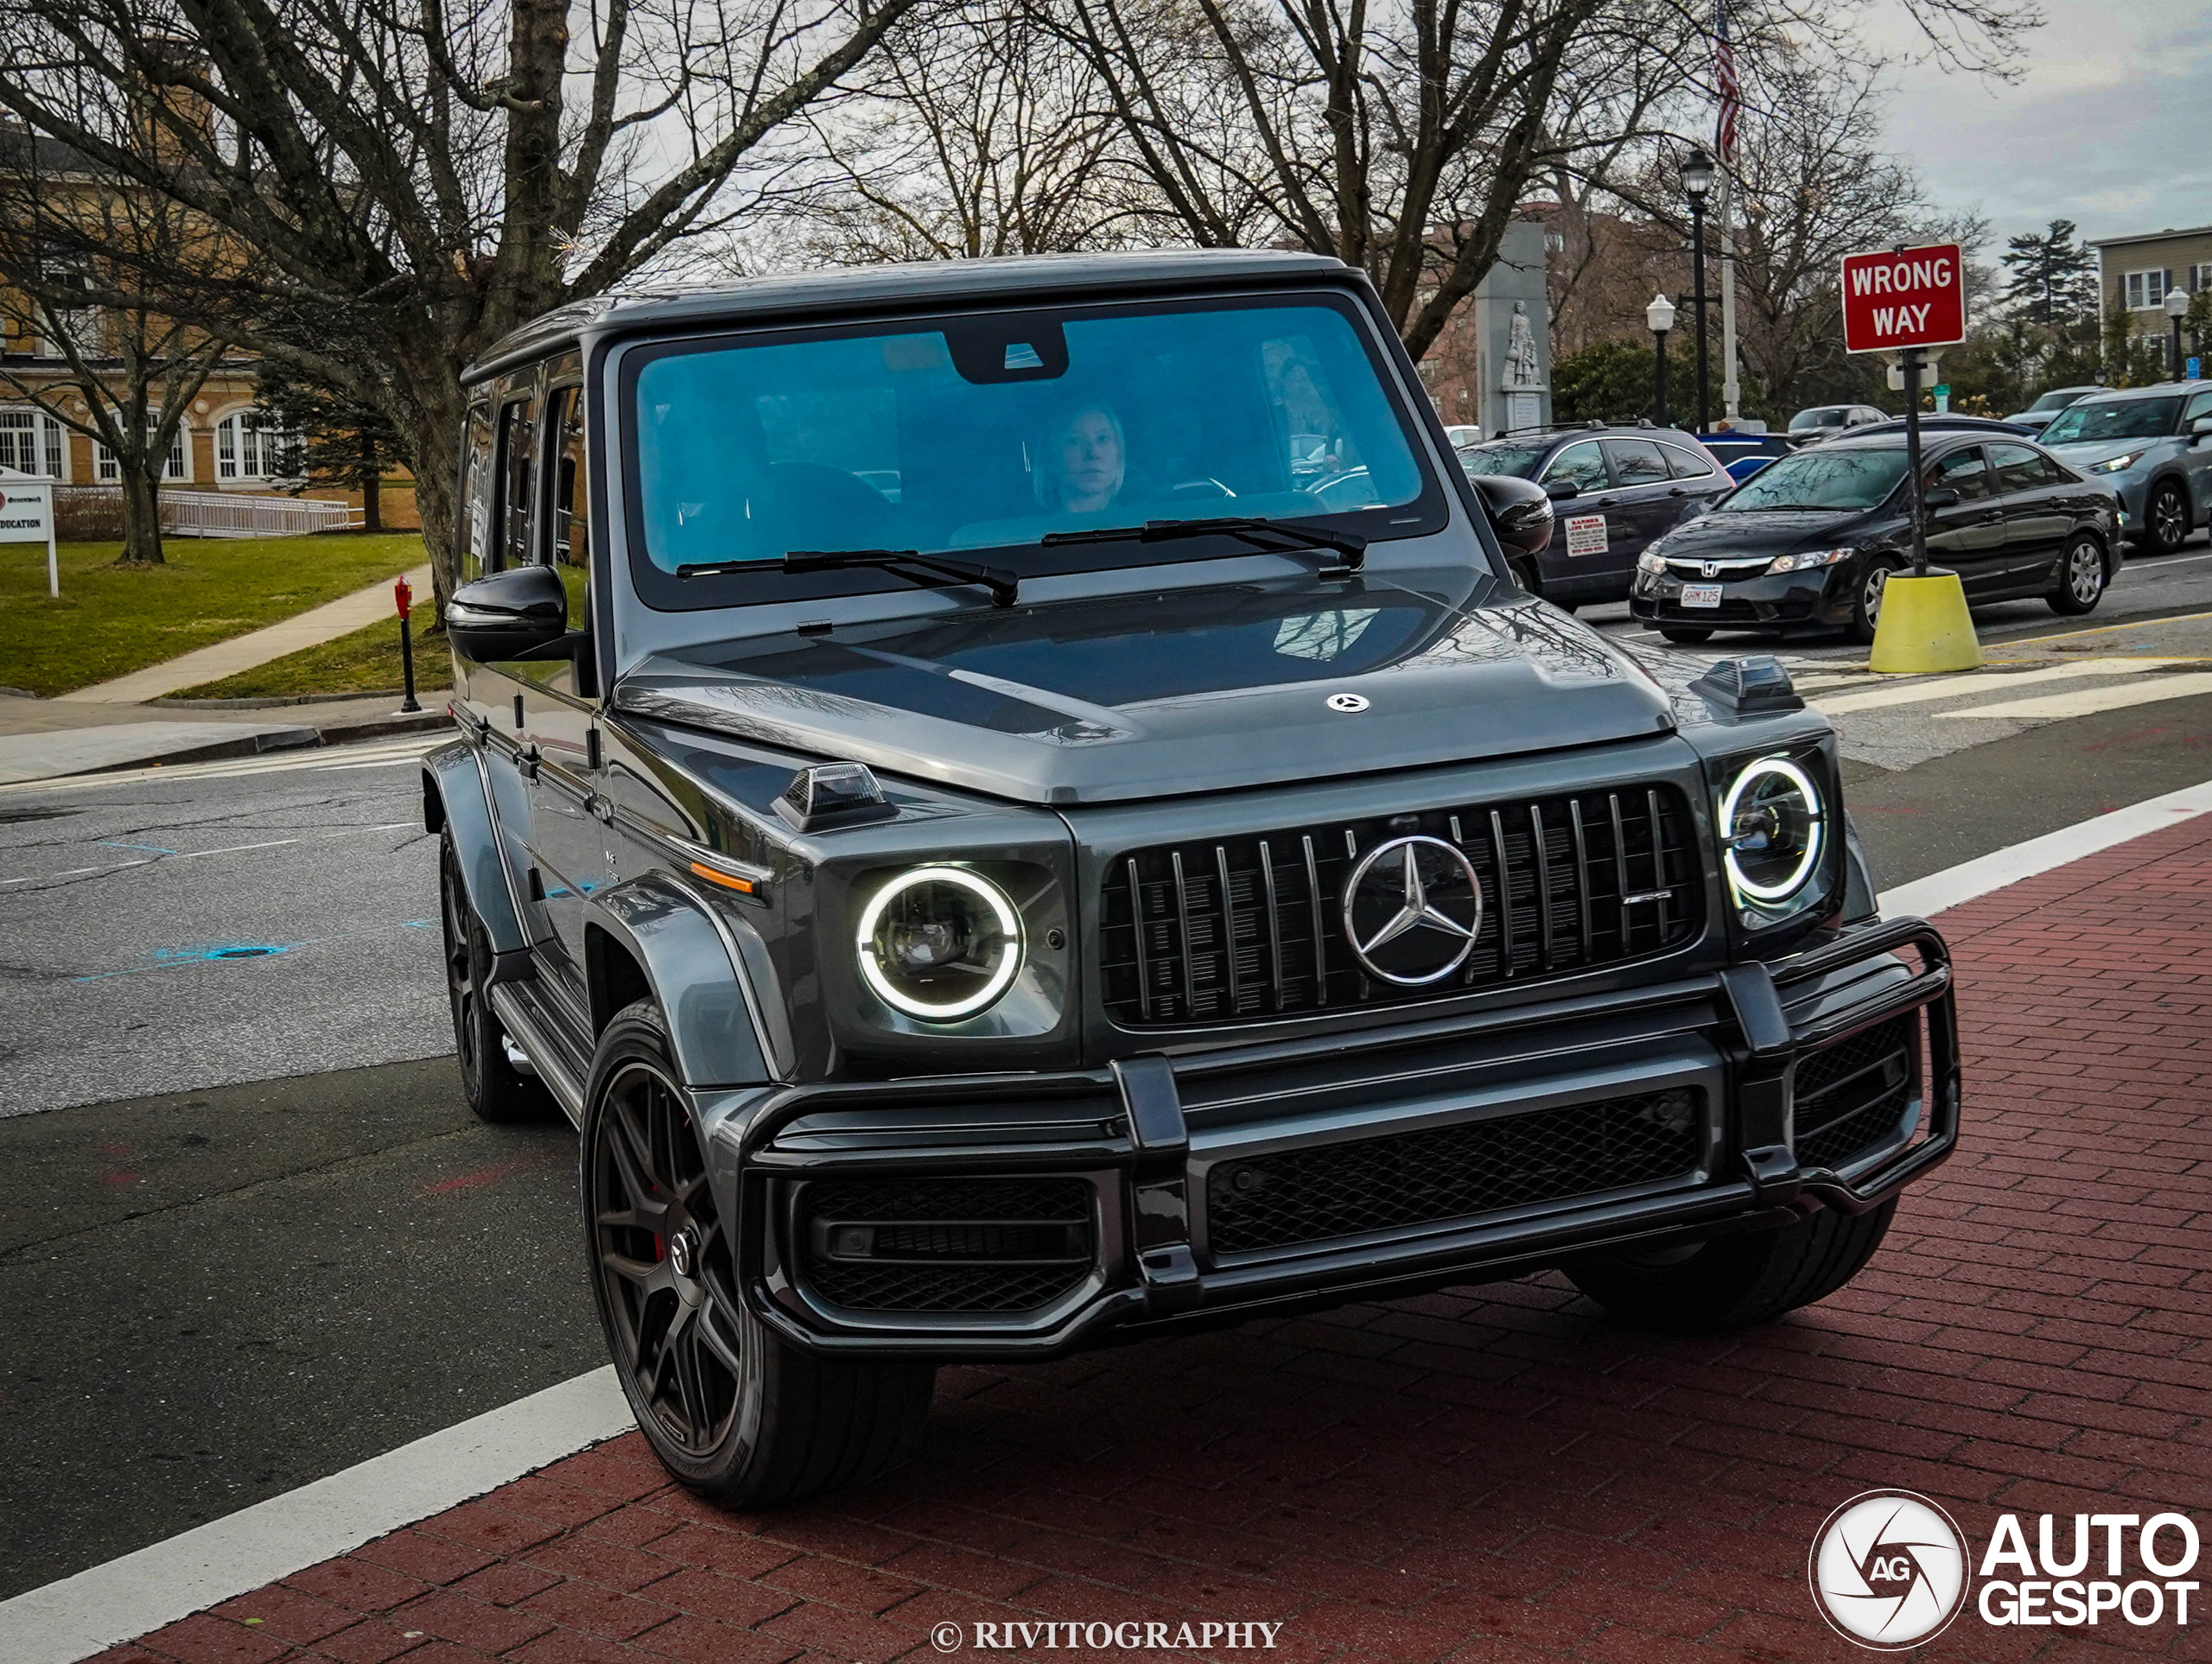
<point>1889,1570</point>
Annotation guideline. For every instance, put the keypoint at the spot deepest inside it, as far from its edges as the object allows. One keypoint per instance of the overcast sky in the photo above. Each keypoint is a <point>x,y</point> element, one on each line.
<point>2110,127</point>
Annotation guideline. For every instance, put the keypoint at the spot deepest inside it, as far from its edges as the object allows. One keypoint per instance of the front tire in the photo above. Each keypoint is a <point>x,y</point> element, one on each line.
<point>2166,518</point>
<point>731,1411</point>
<point>495,1089</point>
<point>2081,578</point>
<point>1866,598</point>
<point>1735,1282</point>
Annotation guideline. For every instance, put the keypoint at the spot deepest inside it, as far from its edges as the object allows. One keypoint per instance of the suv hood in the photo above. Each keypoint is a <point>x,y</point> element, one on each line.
<point>2083,453</point>
<point>1110,699</point>
<point>1758,532</point>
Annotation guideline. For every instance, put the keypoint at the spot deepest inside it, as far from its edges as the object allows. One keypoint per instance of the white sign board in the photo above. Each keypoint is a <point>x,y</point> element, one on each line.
<point>1585,534</point>
<point>27,517</point>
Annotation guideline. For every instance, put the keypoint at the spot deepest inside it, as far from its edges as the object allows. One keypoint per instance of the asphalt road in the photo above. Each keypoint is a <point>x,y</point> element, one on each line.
<point>224,1291</point>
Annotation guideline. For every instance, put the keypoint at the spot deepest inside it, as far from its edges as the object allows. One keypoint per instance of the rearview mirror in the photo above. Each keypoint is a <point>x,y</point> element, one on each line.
<point>1560,490</point>
<point>1942,496</point>
<point>1521,511</point>
<point>512,614</point>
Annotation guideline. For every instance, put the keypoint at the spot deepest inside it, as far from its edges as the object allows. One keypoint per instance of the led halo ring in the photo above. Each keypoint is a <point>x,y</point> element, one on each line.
<point>1796,776</point>
<point>982,889</point>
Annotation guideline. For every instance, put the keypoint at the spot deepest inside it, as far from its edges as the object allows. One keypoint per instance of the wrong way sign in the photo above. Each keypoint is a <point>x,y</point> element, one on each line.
<point>1905,297</point>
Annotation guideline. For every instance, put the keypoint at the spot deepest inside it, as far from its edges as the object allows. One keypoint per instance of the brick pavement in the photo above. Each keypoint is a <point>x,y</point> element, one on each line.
<point>1494,1473</point>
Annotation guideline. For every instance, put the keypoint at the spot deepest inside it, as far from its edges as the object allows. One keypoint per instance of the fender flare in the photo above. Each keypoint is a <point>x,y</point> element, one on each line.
<point>697,974</point>
<point>457,800</point>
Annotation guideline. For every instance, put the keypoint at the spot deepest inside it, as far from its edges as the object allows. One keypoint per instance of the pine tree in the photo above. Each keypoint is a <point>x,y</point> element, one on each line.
<point>2053,275</point>
<point>331,437</point>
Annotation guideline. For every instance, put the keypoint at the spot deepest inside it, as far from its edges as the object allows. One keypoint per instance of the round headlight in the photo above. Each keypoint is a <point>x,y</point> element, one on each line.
<point>939,942</point>
<point>1772,829</point>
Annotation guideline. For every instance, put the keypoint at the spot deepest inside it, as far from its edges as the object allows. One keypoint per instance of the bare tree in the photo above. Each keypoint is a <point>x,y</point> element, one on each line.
<point>431,175</point>
<point>77,244</point>
<point>1402,135</point>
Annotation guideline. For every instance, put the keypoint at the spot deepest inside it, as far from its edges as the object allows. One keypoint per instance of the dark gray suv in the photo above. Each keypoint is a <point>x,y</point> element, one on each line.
<point>994,863</point>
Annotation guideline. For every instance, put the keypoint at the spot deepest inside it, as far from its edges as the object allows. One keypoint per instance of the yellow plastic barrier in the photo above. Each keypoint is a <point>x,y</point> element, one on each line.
<point>1924,627</point>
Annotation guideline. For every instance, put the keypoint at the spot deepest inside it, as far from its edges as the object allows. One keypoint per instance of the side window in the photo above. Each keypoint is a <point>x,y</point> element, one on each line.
<point>510,545</point>
<point>1685,466</point>
<point>2018,468</point>
<point>2200,405</point>
<point>1637,461</point>
<point>571,501</point>
<point>1963,472</point>
<point>1583,463</point>
<point>2055,472</point>
<point>479,474</point>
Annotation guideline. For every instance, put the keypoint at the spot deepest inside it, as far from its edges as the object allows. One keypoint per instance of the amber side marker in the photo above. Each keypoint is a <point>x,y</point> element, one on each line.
<point>744,885</point>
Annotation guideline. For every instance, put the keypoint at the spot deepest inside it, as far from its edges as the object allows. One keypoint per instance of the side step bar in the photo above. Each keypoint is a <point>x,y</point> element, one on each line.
<point>518,1009</point>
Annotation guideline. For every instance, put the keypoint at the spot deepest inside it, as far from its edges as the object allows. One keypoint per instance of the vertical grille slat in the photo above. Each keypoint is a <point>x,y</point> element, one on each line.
<point>1563,888</point>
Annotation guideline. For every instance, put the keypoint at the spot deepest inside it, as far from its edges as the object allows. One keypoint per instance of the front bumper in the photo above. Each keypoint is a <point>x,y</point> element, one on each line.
<point>1156,1151</point>
<point>1819,597</point>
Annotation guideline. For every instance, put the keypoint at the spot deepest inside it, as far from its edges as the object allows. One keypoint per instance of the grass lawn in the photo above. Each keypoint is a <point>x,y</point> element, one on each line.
<point>110,622</point>
<point>365,662</point>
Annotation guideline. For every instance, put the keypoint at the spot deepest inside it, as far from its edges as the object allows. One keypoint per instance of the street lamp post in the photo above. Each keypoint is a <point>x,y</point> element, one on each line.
<point>1660,315</point>
<point>1697,179</point>
<point>2177,309</point>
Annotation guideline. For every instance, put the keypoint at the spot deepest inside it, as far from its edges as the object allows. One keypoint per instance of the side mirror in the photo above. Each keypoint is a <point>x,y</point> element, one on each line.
<point>512,614</point>
<point>1520,512</point>
<point>1942,496</point>
<point>1560,490</point>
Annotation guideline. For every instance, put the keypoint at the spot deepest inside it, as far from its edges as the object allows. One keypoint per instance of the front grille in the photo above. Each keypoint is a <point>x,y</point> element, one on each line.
<point>1453,1172</point>
<point>1253,927</point>
<point>1850,1097</point>
<point>994,1245</point>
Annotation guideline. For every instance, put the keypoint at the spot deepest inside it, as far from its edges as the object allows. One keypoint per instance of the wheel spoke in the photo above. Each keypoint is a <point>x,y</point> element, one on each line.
<point>640,1272</point>
<point>690,1386</point>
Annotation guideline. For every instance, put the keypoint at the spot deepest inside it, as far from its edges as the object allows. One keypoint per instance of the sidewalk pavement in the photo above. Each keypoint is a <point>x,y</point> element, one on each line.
<point>1494,1473</point>
<point>308,629</point>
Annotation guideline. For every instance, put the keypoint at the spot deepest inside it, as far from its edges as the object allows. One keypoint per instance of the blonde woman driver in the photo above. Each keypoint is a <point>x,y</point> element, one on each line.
<point>1080,460</point>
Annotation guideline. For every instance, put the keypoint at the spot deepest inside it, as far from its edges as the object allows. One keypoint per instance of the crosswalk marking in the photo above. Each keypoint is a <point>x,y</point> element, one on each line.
<point>2087,702</point>
<point>1981,682</point>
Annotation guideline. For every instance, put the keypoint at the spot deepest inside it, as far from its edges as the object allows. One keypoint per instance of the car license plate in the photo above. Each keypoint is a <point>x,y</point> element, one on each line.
<point>1700,594</point>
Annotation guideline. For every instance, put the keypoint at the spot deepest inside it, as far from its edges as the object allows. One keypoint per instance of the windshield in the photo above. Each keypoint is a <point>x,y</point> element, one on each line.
<point>992,430</point>
<point>1824,479</point>
<point>2130,418</point>
<point>1825,418</point>
<point>2057,400</point>
<point>1503,458</point>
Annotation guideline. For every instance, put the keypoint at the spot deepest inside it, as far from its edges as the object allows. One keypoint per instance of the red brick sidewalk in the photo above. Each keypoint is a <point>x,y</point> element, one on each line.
<point>1497,1473</point>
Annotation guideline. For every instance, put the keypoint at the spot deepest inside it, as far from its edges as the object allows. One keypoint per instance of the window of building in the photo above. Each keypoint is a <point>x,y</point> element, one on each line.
<point>2145,290</point>
<point>108,471</point>
<point>248,446</point>
<point>31,442</point>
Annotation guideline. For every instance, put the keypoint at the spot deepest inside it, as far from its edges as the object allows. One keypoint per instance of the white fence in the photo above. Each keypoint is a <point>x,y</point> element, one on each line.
<point>93,512</point>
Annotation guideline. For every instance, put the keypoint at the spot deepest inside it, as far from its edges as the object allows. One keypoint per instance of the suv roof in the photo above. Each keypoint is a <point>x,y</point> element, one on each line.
<point>875,288</point>
<point>2156,389</point>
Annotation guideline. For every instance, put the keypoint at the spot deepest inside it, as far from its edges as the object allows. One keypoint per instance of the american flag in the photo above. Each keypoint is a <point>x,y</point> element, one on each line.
<point>1724,80</point>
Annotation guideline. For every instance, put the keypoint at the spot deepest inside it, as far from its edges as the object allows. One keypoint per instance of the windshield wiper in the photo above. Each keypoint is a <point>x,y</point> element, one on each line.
<point>1004,585</point>
<point>1807,508</point>
<point>1267,535</point>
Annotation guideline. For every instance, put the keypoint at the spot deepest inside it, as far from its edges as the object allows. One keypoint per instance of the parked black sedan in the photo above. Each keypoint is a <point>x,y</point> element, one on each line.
<point>1811,539</point>
<point>1615,489</point>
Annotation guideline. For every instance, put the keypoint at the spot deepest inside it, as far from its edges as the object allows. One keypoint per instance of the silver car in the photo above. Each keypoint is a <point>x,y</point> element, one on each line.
<point>2154,447</point>
<point>2058,398</point>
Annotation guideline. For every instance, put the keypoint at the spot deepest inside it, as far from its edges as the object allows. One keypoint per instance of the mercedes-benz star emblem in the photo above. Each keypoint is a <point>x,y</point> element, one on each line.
<point>1413,908</point>
<point>1351,704</point>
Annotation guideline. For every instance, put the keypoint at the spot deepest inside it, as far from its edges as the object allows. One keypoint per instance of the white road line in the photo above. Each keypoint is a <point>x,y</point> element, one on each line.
<point>81,1615</point>
<point>2087,702</point>
<point>1956,885</point>
<point>227,849</point>
<point>377,754</point>
<point>1975,682</point>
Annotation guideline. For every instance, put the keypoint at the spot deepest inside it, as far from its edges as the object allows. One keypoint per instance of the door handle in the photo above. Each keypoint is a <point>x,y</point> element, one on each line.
<point>1676,491</point>
<point>1992,516</point>
<point>1604,502</point>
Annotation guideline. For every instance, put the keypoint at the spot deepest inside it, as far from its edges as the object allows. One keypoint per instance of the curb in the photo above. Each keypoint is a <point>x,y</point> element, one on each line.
<point>254,745</point>
<point>274,701</point>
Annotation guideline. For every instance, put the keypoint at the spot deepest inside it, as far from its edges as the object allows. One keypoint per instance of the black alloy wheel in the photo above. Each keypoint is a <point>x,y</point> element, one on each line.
<point>1867,596</point>
<point>495,1089</point>
<point>2081,578</point>
<point>730,1409</point>
<point>2167,520</point>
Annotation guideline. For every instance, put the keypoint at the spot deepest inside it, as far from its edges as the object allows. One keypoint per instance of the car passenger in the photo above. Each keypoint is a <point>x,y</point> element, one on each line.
<point>1080,460</point>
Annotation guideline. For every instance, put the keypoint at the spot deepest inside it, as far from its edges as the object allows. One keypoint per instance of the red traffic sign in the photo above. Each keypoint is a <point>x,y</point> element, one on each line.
<point>1905,297</point>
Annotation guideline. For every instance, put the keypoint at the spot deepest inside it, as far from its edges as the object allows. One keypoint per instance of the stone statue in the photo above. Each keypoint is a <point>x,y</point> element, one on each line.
<point>1522,367</point>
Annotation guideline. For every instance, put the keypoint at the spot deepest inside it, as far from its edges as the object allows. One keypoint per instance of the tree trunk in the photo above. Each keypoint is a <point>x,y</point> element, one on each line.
<point>429,370</point>
<point>371,479</point>
<point>142,518</point>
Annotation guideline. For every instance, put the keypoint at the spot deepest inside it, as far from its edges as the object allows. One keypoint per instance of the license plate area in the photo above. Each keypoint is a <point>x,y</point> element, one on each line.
<point>1700,594</point>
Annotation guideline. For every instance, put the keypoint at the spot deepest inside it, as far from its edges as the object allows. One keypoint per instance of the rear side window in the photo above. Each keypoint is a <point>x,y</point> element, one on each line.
<point>1583,464</point>
<point>1684,465</point>
<point>1637,461</point>
<point>2018,468</point>
<point>517,475</point>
